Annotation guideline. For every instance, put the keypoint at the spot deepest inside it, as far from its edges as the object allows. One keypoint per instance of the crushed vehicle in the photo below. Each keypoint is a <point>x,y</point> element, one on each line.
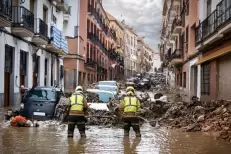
<point>40,103</point>
<point>144,84</point>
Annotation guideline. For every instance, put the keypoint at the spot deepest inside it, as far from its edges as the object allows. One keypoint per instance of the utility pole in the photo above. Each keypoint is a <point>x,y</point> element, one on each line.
<point>78,45</point>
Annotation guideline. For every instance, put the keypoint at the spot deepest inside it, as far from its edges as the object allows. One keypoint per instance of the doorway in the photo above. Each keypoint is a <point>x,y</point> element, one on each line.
<point>36,70</point>
<point>7,74</point>
<point>23,67</point>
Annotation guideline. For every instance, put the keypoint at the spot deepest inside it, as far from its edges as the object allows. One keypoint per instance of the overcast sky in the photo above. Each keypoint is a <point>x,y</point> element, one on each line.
<point>143,15</point>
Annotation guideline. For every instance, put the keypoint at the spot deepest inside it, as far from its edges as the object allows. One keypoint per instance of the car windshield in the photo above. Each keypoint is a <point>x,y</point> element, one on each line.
<point>107,88</point>
<point>41,94</point>
<point>104,97</point>
<point>107,83</point>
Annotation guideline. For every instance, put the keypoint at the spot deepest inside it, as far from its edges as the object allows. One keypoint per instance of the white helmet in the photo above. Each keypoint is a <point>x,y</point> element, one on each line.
<point>79,88</point>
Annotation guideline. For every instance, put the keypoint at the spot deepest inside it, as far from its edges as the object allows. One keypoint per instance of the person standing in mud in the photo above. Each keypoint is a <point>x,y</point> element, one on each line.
<point>76,112</point>
<point>130,107</point>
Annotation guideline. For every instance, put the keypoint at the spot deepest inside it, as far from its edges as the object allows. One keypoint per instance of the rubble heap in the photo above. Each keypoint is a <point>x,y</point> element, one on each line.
<point>158,79</point>
<point>103,118</point>
<point>200,116</point>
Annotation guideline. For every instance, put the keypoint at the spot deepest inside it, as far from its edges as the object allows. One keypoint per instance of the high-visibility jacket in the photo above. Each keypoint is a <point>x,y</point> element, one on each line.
<point>130,105</point>
<point>78,104</point>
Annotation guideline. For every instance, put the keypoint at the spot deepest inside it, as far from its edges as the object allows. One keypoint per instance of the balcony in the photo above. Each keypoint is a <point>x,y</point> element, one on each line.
<point>176,2</point>
<point>5,15</point>
<point>41,32</point>
<point>174,10</point>
<point>177,25</point>
<point>62,5</point>
<point>177,57</point>
<point>57,43</point>
<point>90,64</point>
<point>214,26</point>
<point>23,22</point>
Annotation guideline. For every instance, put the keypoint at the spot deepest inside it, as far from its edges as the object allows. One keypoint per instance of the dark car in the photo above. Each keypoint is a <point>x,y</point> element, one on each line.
<point>40,103</point>
<point>143,84</point>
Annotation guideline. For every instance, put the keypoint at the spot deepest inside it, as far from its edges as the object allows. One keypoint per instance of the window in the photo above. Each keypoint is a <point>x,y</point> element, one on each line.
<point>205,79</point>
<point>186,39</point>
<point>54,19</point>
<point>209,7</point>
<point>23,62</point>
<point>187,7</point>
<point>45,14</point>
<point>180,79</point>
<point>184,76</point>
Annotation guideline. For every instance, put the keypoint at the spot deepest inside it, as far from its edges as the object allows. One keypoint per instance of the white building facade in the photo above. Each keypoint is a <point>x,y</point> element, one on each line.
<point>31,44</point>
<point>131,63</point>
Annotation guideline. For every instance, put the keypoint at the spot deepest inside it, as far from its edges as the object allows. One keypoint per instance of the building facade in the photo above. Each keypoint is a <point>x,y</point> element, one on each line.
<point>32,41</point>
<point>178,45</point>
<point>213,40</point>
<point>130,59</point>
<point>97,54</point>
<point>196,47</point>
<point>120,45</point>
<point>144,59</point>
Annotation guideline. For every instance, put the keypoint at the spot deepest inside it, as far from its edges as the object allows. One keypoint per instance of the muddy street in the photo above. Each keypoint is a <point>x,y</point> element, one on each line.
<point>52,140</point>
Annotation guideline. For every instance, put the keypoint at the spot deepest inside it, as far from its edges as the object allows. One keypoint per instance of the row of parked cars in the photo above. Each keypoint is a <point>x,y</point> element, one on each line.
<point>41,102</point>
<point>139,82</point>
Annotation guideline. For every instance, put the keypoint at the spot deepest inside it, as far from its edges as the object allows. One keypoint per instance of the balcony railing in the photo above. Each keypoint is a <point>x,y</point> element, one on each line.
<point>41,28</point>
<point>90,63</point>
<point>209,25</point>
<point>22,18</point>
<point>96,40</point>
<point>6,10</point>
<point>217,19</point>
<point>178,53</point>
<point>176,22</point>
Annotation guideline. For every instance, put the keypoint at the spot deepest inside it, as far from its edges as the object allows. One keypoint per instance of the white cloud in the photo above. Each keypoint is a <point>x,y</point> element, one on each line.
<point>143,15</point>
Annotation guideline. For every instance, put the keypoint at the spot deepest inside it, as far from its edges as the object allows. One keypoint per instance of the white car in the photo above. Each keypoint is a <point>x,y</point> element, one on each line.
<point>104,96</point>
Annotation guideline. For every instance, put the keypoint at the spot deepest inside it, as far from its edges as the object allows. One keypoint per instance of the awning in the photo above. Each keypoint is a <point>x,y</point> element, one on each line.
<point>215,54</point>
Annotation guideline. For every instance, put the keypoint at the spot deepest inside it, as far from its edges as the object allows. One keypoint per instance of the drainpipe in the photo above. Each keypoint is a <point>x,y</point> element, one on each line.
<point>78,45</point>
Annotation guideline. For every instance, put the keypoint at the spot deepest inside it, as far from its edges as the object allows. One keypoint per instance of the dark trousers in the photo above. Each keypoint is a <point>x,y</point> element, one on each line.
<point>131,122</point>
<point>76,120</point>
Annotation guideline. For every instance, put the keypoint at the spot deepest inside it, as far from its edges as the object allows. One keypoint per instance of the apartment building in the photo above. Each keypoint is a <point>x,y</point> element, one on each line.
<point>213,42</point>
<point>156,62</point>
<point>119,48</point>
<point>31,42</point>
<point>130,59</point>
<point>144,53</point>
<point>178,45</point>
<point>97,41</point>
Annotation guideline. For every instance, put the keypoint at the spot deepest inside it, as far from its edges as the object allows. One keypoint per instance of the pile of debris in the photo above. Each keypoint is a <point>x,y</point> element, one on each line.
<point>158,79</point>
<point>199,116</point>
<point>103,118</point>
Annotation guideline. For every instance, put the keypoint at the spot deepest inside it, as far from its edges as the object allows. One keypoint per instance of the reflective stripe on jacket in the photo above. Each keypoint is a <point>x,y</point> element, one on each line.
<point>76,102</point>
<point>77,105</point>
<point>130,104</point>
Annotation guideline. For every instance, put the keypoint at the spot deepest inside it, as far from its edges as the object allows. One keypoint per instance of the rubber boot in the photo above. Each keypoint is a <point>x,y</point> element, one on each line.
<point>126,133</point>
<point>138,134</point>
<point>70,134</point>
<point>83,135</point>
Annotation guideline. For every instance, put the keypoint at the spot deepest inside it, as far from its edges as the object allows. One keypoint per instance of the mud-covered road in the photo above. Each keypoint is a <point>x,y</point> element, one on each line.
<point>50,139</point>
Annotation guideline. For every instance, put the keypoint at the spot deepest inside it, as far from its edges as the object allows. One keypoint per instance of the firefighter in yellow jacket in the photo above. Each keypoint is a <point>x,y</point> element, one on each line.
<point>77,109</point>
<point>130,107</point>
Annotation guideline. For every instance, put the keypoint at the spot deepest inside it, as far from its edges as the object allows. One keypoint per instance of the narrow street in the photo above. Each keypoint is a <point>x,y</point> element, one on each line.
<point>53,140</point>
